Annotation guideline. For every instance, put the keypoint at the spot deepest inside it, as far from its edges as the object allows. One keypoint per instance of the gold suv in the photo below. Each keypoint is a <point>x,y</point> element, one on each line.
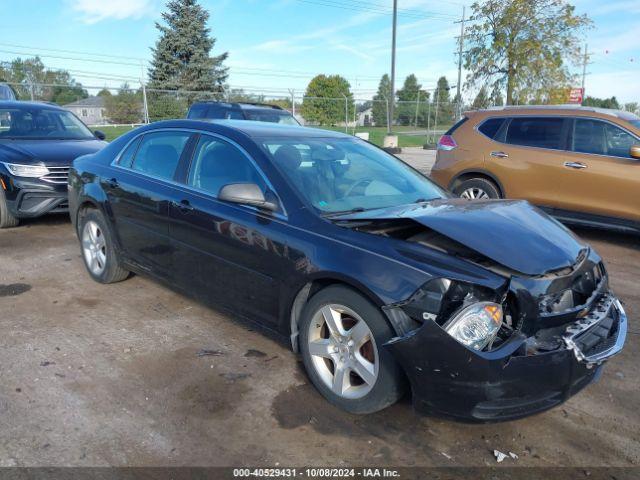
<point>581,164</point>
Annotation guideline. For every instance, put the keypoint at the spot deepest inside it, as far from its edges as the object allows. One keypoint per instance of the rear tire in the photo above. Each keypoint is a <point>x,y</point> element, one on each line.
<point>351,369</point>
<point>98,251</point>
<point>477,189</point>
<point>7,220</point>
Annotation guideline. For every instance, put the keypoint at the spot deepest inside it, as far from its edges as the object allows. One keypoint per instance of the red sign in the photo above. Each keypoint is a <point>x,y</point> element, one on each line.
<point>575,95</point>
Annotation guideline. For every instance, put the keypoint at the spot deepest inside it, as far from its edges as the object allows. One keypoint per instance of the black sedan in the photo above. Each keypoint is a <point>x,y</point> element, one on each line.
<point>38,142</point>
<point>487,310</point>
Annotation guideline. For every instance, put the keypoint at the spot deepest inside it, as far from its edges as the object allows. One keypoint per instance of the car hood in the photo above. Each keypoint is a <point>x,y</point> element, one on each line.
<point>49,152</point>
<point>512,233</point>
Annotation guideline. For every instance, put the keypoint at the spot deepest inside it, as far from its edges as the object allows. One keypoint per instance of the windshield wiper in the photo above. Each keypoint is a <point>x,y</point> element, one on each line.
<point>344,212</point>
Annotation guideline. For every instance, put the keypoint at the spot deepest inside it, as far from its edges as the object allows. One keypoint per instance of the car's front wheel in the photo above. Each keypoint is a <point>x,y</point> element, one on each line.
<point>477,189</point>
<point>98,252</point>
<point>7,220</point>
<point>341,340</point>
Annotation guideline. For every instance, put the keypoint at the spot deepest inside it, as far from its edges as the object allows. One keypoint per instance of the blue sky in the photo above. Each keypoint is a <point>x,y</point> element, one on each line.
<point>275,45</point>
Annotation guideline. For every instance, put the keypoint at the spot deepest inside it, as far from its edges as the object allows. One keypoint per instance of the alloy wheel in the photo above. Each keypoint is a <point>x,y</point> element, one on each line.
<point>343,351</point>
<point>474,193</point>
<point>94,247</point>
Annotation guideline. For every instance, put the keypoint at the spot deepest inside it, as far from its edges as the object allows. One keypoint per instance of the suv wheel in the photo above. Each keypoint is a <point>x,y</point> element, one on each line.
<point>477,189</point>
<point>98,252</point>
<point>341,341</point>
<point>6,219</point>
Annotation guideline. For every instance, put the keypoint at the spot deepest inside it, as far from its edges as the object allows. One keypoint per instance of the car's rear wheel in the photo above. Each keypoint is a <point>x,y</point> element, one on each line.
<point>7,220</point>
<point>98,252</point>
<point>477,189</point>
<point>341,341</point>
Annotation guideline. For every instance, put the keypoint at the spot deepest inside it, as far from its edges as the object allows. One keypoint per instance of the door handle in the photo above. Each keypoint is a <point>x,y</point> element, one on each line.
<point>576,165</point>
<point>112,183</point>
<point>499,154</point>
<point>184,206</point>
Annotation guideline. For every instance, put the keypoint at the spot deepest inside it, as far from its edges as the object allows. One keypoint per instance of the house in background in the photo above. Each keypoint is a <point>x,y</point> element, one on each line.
<point>90,110</point>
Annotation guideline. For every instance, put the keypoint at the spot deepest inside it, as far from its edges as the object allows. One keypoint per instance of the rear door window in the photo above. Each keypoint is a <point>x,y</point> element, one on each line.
<point>541,132</point>
<point>490,127</point>
<point>159,152</point>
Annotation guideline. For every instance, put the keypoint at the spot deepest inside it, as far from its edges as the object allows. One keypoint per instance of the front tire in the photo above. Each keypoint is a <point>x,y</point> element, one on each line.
<point>477,189</point>
<point>341,340</point>
<point>98,250</point>
<point>7,220</point>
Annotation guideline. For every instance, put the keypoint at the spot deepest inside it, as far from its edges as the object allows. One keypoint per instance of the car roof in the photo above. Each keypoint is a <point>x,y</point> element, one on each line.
<point>21,104</point>
<point>241,105</point>
<point>556,109</point>
<point>252,128</point>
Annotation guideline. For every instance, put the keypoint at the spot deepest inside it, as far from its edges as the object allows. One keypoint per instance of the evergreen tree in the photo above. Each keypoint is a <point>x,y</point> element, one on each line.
<point>411,92</point>
<point>442,105</point>
<point>379,109</point>
<point>482,99</point>
<point>181,57</point>
<point>497,99</point>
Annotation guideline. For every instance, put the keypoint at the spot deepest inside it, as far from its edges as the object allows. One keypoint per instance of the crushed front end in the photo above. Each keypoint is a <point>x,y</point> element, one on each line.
<point>555,332</point>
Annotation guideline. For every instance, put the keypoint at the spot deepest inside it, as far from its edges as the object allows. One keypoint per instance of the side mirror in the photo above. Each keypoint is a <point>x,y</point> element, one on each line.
<point>634,151</point>
<point>246,194</point>
<point>99,135</point>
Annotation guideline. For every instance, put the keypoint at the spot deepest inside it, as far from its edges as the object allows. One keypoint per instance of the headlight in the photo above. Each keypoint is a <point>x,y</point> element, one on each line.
<point>476,325</point>
<point>26,170</point>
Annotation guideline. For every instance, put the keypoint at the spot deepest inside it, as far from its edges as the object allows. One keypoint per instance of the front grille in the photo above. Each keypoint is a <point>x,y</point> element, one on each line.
<point>56,175</point>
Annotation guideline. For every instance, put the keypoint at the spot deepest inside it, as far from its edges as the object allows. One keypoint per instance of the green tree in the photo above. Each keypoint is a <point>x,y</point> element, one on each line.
<point>31,78</point>
<point>497,99</point>
<point>182,56</point>
<point>125,107</point>
<point>410,93</point>
<point>631,107</point>
<point>442,108</point>
<point>482,99</point>
<point>379,108</point>
<point>602,102</point>
<point>105,92</point>
<point>324,101</point>
<point>523,44</point>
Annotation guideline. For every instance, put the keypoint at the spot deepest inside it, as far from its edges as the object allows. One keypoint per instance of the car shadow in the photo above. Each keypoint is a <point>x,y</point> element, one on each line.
<point>628,240</point>
<point>52,219</point>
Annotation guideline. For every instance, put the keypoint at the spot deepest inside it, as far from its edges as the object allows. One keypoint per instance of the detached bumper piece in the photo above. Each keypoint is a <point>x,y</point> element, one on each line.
<point>599,335</point>
<point>511,381</point>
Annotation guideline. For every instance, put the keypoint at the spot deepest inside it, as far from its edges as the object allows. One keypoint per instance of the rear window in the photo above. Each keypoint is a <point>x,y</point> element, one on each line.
<point>456,126</point>
<point>214,112</point>
<point>490,127</point>
<point>541,132</point>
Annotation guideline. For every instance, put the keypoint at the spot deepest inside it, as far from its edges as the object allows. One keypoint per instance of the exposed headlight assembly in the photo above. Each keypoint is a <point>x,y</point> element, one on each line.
<point>477,325</point>
<point>33,171</point>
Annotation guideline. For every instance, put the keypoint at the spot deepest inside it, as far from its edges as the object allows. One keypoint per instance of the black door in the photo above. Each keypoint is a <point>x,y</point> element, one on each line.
<point>139,190</point>
<point>227,253</point>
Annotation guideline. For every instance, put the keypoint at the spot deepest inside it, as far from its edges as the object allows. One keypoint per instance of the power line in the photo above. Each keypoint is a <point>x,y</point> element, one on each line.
<point>380,11</point>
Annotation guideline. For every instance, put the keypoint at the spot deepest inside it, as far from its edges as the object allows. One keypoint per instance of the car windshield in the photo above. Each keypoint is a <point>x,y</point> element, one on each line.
<point>345,175</point>
<point>273,116</point>
<point>34,123</point>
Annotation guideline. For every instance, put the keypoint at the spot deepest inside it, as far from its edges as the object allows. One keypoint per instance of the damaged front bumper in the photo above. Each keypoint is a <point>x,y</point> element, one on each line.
<point>514,380</point>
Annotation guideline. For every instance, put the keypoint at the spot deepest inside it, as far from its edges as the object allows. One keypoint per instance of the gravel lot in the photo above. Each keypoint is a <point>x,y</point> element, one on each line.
<point>110,375</point>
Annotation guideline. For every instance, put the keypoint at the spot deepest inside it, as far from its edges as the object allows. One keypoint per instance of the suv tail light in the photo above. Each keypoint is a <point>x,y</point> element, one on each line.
<point>447,142</point>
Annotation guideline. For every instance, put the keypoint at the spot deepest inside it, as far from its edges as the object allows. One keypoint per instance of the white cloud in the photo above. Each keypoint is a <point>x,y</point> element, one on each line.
<point>94,11</point>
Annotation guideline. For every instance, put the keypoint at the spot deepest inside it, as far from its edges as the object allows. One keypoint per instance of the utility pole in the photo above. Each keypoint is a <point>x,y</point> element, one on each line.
<point>460,48</point>
<point>293,101</point>
<point>393,64</point>
<point>417,106</point>
<point>145,105</point>
<point>584,69</point>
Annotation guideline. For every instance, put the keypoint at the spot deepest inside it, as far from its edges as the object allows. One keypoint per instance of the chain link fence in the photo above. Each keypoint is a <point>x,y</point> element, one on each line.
<point>416,123</point>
